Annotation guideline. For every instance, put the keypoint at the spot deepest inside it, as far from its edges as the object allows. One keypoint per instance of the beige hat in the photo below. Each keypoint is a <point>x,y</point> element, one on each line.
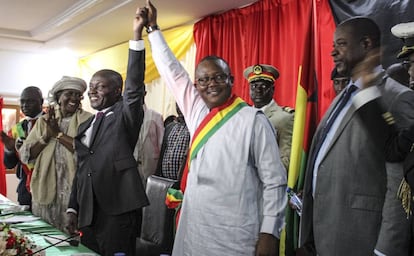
<point>261,72</point>
<point>405,31</point>
<point>67,83</point>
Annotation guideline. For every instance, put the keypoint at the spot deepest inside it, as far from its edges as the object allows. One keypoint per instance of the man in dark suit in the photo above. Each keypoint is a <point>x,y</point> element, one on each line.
<point>349,202</point>
<point>107,191</point>
<point>31,101</point>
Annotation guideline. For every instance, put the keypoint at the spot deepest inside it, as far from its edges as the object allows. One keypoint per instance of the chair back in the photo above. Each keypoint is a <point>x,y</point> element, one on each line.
<point>157,219</point>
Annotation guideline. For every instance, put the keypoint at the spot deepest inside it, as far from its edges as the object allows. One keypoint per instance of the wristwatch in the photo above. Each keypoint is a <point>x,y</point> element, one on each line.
<point>152,28</point>
<point>60,135</point>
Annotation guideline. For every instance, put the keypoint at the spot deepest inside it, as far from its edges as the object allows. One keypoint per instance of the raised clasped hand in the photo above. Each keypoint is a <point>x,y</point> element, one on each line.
<point>141,19</point>
<point>52,124</point>
<point>152,14</point>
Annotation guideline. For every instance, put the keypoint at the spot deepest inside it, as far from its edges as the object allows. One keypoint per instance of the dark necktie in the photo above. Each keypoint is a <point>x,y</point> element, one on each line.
<point>331,119</point>
<point>98,120</point>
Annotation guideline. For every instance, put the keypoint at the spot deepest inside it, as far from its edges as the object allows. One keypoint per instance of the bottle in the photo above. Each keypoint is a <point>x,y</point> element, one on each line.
<point>295,200</point>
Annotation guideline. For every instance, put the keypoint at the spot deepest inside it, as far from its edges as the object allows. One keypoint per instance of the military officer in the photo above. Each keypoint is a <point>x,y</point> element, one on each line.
<point>261,78</point>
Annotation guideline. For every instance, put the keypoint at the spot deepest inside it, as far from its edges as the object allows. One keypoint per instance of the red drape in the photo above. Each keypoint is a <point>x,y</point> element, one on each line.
<point>3,188</point>
<point>271,32</point>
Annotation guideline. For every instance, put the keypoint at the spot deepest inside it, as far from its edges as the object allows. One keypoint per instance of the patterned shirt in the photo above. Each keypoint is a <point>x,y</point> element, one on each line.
<point>176,150</point>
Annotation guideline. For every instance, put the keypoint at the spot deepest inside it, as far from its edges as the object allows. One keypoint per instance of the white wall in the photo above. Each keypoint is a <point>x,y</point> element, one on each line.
<point>20,69</point>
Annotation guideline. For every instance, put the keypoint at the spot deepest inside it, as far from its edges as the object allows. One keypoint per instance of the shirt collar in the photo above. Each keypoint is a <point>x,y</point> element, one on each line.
<point>267,105</point>
<point>358,83</point>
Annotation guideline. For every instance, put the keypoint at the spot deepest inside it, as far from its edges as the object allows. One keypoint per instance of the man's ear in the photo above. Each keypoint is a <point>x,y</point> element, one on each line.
<point>231,79</point>
<point>366,42</point>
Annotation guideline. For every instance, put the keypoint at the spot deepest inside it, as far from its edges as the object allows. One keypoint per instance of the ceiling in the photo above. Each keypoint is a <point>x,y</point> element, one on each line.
<point>87,26</point>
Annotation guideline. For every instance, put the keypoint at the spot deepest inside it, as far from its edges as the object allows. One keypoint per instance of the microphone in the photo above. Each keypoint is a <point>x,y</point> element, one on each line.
<point>70,239</point>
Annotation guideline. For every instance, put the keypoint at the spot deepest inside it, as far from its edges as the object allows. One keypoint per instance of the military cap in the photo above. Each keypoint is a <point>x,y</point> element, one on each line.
<point>405,31</point>
<point>261,72</point>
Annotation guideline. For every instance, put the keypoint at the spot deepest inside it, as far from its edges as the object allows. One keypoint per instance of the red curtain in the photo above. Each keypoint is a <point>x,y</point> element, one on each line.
<point>3,188</point>
<point>271,32</point>
<point>324,28</point>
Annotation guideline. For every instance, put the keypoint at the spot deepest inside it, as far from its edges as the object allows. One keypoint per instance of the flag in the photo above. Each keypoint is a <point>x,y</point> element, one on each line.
<point>316,63</point>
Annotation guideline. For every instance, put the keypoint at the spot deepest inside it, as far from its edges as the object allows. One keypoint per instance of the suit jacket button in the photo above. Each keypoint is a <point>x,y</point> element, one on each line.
<point>91,152</point>
<point>89,174</point>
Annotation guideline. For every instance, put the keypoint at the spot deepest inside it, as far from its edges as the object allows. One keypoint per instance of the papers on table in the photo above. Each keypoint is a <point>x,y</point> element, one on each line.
<point>17,218</point>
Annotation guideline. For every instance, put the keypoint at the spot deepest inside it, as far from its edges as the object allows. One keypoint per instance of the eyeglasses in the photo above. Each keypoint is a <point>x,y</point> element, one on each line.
<point>407,64</point>
<point>219,78</point>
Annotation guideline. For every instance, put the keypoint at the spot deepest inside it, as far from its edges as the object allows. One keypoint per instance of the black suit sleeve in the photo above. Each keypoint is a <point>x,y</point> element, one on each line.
<point>134,94</point>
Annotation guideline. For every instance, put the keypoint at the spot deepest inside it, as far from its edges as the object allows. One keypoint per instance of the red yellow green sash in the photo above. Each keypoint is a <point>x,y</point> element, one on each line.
<point>17,131</point>
<point>210,124</point>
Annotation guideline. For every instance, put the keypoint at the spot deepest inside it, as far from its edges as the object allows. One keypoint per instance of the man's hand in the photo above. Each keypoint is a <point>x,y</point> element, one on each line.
<point>267,245</point>
<point>152,14</point>
<point>140,21</point>
<point>71,223</point>
<point>8,142</point>
<point>365,69</point>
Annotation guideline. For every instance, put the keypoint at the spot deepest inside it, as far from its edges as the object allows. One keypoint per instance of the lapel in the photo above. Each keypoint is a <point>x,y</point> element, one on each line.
<point>350,112</point>
<point>341,126</point>
<point>96,127</point>
<point>345,120</point>
<point>84,126</point>
<point>271,109</point>
<point>101,123</point>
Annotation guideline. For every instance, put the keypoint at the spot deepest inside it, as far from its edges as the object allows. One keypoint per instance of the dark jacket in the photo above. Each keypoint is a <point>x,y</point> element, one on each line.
<point>106,170</point>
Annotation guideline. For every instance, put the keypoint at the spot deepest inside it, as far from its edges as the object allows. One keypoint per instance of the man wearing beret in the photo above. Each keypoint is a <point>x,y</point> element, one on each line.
<point>261,78</point>
<point>339,81</point>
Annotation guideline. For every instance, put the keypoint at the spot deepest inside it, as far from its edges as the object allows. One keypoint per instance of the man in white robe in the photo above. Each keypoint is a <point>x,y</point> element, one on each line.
<point>235,191</point>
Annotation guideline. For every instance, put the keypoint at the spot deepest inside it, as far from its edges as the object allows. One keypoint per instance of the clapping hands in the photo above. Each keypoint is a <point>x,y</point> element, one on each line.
<point>52,124</point>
